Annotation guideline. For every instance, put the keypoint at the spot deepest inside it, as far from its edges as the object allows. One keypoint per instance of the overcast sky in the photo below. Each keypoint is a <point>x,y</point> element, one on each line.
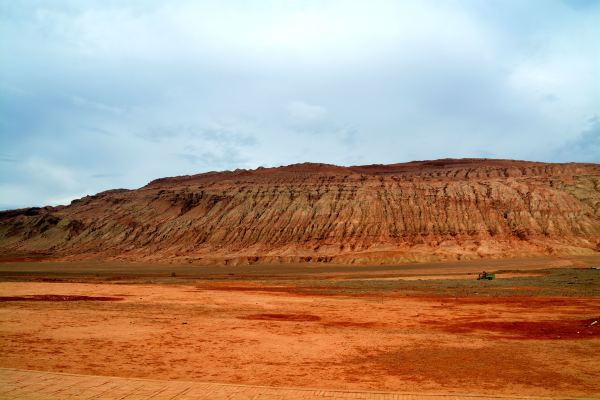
<point>105,94</point>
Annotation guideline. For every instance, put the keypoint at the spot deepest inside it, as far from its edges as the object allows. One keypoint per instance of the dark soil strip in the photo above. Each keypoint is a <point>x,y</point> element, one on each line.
<point>55,297</point>
<point>540,330</point>
<point>282,317</point>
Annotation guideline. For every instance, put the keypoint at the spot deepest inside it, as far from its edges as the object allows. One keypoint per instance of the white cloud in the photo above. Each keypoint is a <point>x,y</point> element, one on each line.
<point>302,112</point>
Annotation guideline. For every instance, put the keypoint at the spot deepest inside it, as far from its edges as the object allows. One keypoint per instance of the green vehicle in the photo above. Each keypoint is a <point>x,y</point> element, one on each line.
<point>486,275</point>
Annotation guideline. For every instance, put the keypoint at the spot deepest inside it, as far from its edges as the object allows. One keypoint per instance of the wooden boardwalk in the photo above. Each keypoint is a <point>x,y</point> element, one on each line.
<point>37,385</point>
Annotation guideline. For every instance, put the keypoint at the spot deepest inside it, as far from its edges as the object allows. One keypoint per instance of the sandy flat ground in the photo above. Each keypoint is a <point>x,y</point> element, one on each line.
<point>537,345</point>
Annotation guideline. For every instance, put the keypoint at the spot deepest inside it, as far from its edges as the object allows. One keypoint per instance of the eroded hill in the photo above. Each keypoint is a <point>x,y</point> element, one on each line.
<point>443,209</point>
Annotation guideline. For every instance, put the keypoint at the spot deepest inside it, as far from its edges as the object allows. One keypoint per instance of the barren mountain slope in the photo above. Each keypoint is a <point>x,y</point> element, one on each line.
<point>444,209</point>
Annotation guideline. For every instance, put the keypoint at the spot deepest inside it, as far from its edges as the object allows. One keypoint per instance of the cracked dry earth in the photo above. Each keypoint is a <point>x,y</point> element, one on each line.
<point>428,344</point>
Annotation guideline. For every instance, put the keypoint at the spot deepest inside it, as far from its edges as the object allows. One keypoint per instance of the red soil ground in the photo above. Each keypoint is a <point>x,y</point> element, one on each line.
<point>495,345</point>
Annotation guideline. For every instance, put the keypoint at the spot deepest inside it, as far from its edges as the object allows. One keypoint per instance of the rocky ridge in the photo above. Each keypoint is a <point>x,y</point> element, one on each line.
<point>418,211</point>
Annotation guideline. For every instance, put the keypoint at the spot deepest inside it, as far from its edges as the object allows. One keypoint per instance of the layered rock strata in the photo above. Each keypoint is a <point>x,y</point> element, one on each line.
<point>374,214</point>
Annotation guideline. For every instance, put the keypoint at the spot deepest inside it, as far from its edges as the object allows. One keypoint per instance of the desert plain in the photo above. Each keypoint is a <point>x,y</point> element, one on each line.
<point>427,328</point>
<point>353,279</point>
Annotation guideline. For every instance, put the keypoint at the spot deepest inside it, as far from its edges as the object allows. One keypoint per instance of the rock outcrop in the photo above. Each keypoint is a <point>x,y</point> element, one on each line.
<point>428,210</point>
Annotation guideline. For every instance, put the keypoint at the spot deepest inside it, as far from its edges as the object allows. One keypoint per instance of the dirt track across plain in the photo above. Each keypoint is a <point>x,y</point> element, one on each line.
<point>37,385</point>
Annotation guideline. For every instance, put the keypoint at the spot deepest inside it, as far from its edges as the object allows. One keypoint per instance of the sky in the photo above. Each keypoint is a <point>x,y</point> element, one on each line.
<point>105,94</point>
